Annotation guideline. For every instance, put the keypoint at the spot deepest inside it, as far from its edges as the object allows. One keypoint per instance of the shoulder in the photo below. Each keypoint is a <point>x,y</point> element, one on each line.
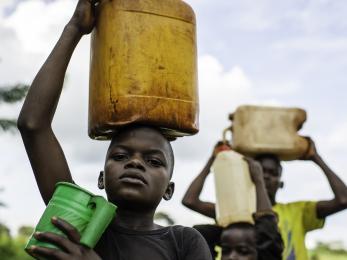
<point>185,231</point>
<point>189,237</point>
<point>191,243</point>
<point>296,205</point>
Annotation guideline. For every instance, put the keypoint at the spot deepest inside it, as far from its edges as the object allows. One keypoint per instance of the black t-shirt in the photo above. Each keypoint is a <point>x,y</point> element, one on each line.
<point>168,243</point>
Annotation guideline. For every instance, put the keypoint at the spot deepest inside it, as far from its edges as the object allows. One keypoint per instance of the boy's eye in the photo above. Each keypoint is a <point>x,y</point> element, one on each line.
<point>243,250</point>
<point>119,157</point>
<point>155,162</point>
<point>225,250</point>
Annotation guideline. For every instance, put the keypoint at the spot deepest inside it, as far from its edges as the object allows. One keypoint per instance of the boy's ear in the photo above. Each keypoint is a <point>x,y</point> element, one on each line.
<point>281,184</point>
<point>169,191</point>
<point>101,182</point>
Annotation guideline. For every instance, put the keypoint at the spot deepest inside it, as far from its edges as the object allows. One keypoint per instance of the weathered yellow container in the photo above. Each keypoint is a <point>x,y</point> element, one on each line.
<point>235,191</point>
<point>143,67</point>
<point>260,129</point>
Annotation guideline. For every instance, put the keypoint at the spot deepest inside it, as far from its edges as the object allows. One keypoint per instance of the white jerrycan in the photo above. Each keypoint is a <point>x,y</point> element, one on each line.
<point>235,191</point>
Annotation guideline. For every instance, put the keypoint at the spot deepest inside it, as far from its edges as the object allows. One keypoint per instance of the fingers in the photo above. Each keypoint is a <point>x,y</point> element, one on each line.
<point>70,231</point>
<point>247,159</point>
<point>255,169</point>
<point>94,2</point>
<point>252,163</point>
<point>56,240</point>
<point>48,253</point>
<point>218,144</point>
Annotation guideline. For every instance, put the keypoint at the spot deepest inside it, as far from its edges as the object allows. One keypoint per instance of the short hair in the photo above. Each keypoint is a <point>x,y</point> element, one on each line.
<point>241,225</point>
<point>270,156</point>
<point>244,226</point>
<point>131,127</point>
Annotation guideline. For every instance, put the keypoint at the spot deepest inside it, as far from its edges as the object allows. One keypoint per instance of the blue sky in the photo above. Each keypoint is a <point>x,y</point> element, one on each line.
<point>290,53</point>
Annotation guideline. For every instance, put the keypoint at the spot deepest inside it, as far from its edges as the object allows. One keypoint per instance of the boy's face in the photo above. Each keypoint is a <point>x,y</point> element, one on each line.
<point>272,176</point>
<point>239,244</point>
<point>138,168</point>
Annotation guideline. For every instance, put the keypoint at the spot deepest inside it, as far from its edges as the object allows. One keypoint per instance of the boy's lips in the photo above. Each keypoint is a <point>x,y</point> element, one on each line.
<point>133,177</point>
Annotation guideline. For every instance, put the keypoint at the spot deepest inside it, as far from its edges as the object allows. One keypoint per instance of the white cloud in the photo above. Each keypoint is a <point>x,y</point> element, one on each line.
<point>36,32</point>
<point>338,137</point>
<point>311,44</point>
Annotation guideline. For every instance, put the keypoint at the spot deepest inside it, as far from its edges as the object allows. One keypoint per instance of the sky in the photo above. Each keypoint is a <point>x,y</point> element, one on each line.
<point>290,53</point>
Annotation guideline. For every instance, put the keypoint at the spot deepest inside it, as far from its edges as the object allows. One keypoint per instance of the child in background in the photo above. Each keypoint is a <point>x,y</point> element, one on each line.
<point>239,240</point>
<point>298,218</point>
<point>261,241</point>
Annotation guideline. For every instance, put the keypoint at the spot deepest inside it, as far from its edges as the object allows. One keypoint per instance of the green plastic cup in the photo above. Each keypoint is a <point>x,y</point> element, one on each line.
<point>88,213</point>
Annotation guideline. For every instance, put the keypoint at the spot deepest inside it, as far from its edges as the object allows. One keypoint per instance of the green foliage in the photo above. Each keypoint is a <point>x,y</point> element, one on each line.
<point>8,124</point>
<point>328,251</point>
<point>13,248</point>
<point>164,216</point>
<point>25,231</point>
<point>13,93</point>
<point>1,203</point>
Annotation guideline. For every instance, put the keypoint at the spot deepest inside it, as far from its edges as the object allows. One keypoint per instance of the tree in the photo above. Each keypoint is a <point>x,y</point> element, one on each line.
<point>10,95</point>
<point>165,217</point>
<point>12,248</point>
<point>1,203</point>
<point>329,251</point>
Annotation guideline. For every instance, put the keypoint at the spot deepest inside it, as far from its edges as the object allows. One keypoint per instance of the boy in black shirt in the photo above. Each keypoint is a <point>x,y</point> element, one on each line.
<point>137,172</point>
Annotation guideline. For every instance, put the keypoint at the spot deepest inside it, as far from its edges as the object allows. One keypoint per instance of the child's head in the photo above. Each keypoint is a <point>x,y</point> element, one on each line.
<point>138,168</point>
<point>238,242</point>
<point>272,171</point>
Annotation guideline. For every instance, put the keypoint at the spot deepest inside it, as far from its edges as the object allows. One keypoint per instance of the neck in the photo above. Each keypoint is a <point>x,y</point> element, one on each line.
<point>135,220</point>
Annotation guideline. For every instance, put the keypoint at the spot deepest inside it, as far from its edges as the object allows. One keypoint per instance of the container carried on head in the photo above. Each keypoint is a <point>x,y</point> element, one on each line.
<point>143,67</point>
<point>235,191</point>
<point>269,130</point>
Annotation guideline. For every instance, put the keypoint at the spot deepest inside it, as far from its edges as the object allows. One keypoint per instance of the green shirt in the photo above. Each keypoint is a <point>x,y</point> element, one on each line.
<point>295,220</point>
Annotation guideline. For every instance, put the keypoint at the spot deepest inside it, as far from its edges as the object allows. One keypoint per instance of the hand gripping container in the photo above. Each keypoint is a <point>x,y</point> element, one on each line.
<point>143,67</point>
<point>261,129</point>
<point>235,191</point>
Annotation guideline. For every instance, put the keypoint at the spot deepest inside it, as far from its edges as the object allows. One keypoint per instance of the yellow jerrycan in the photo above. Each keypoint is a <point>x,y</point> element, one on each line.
<point>261,129</point>
<point>143,67</point>
<point>235,191</point>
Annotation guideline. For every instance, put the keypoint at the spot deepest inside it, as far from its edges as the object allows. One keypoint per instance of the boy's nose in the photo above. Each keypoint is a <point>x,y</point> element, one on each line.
<point>135,163</point>
<point>233,255</point>
<point>266,175</point>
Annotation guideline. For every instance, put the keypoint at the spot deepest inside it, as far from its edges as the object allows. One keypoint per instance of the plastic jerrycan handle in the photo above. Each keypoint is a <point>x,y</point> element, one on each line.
<point>229,129</point>
<point>103,214</point>
<point>225,131</point>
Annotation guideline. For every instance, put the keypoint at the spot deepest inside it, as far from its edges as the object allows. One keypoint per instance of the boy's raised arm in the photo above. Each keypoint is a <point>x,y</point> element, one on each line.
<point>256,172</point>
<point>269,241</point>
<point>339,188</point>
<point>44,151</point>
<point>191,198</point>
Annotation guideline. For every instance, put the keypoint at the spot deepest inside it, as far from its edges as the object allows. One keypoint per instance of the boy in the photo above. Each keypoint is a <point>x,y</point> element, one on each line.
<point>244,241</point>
<point>137,171</point>
<point>262,241</point>
<point>295,219</point>
<point>298,218</point>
